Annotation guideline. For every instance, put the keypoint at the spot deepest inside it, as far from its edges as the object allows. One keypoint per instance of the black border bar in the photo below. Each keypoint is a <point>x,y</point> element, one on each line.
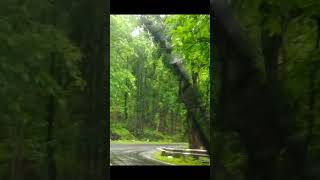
<point>160,6</point>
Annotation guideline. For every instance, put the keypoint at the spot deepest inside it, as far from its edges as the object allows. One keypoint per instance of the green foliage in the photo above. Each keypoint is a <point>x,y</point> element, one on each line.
<point>144,92</point>
<point>191,38</point>
<point>121,131</point>
<point>152,135</point>
<point>184,161</point>
<point>190,35</point>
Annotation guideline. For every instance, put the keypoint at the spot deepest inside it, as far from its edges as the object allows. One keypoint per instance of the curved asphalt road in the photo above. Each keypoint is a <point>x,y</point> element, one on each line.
<point>136,154</point>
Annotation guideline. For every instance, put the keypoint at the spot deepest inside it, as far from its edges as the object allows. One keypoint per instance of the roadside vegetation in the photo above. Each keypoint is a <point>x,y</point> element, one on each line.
<point>186,161</point>
<point>121,134</point>
<point>184,144</point>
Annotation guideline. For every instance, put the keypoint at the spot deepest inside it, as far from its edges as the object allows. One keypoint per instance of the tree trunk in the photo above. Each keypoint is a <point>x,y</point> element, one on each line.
<point>173,117</point>
<point>176,119</point>
<point>95,127</point>
<point>125,106</point>
<point>162,121</point>
<point>139,96</point>
<point>194,139</point>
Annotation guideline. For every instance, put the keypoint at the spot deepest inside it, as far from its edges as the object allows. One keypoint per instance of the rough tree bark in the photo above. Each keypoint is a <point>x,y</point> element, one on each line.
<point>194,139</point>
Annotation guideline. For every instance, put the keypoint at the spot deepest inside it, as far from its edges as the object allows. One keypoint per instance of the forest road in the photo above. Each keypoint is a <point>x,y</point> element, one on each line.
<point>136,154</point>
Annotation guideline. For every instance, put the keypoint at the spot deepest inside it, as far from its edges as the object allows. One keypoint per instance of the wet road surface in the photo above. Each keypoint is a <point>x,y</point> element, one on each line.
<point>136,154</point>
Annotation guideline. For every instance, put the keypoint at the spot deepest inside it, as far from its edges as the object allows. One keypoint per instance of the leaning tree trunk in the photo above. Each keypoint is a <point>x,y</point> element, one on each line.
<point>194,138</point>
<point>189,95</point>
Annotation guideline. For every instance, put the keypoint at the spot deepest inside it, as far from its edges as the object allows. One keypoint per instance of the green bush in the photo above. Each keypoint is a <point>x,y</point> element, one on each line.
<point>121,133</point>
<point>153,135</point>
